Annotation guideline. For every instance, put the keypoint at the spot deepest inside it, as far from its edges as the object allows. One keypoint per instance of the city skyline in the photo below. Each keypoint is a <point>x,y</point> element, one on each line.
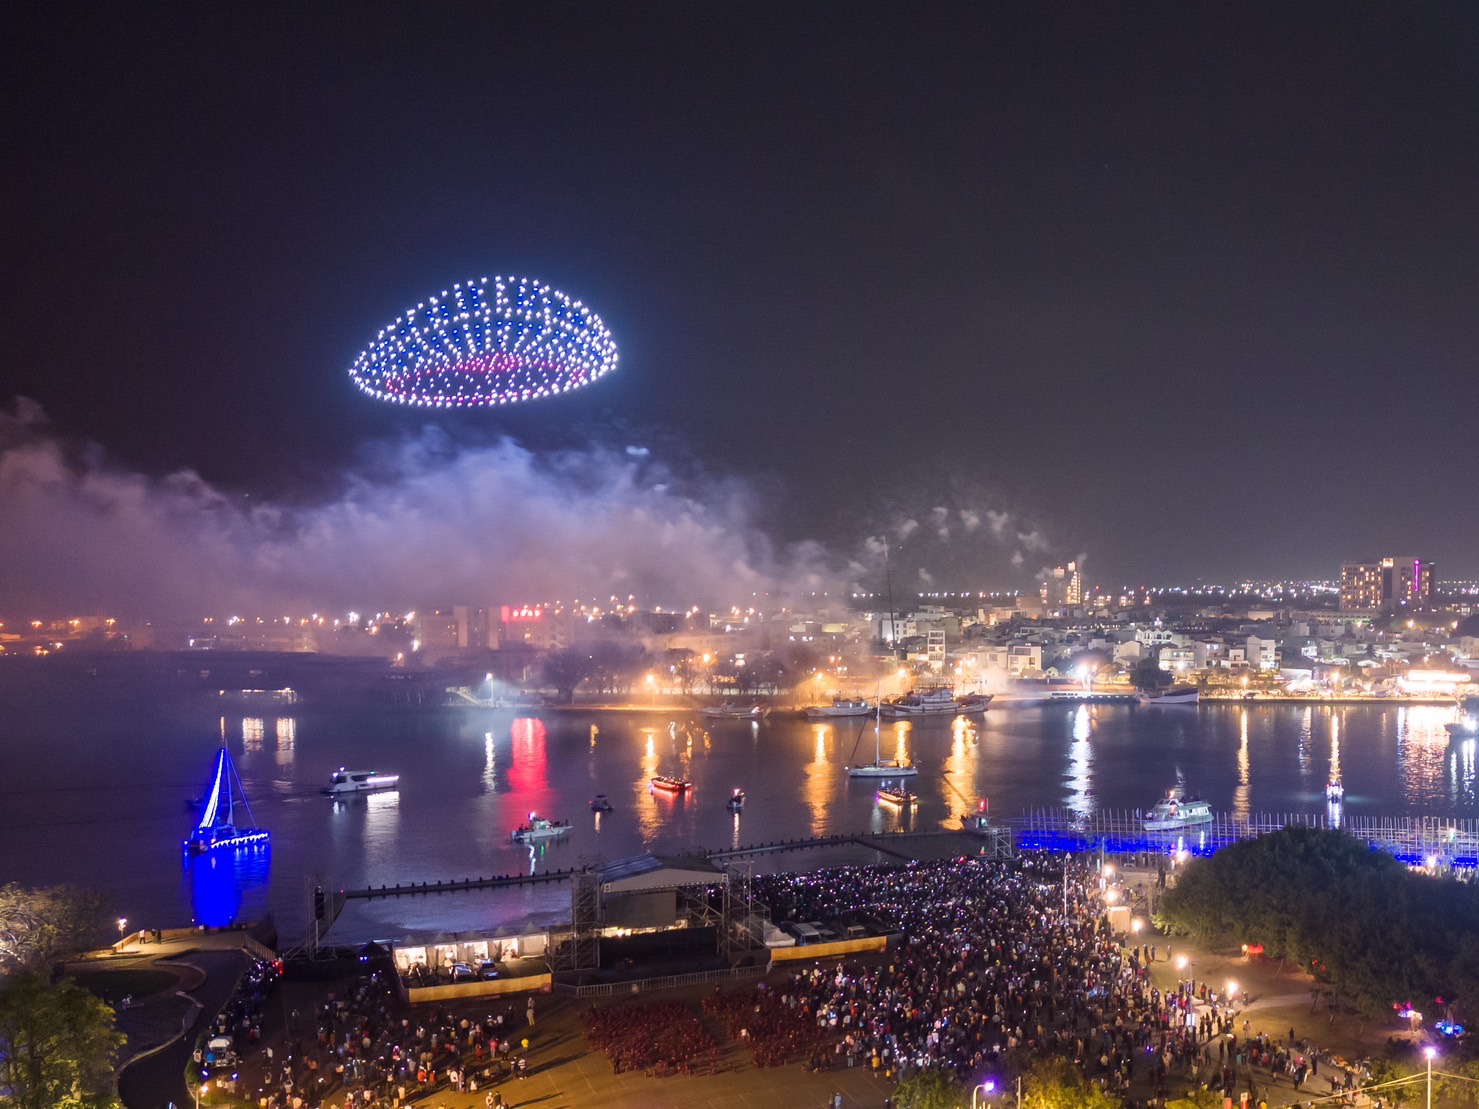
<point>1168,294</point>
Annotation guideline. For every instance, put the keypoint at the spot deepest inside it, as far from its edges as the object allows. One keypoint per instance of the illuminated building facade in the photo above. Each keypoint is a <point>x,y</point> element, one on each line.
<point>1063,587</point>
<point>1386,585</point>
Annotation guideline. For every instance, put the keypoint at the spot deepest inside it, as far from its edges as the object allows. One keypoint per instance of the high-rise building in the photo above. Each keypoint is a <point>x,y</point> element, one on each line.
<point>1385,585</point>
<point>1063,587</point>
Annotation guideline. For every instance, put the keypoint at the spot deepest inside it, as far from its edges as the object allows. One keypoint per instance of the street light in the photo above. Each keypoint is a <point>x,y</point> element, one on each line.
<point>203,1088</point>
<point>988,1088</point>
<point>1430,1051</point>
<point>122,924</point>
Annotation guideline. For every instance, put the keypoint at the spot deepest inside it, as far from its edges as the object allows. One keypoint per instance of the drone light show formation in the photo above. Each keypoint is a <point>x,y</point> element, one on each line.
<point>496,341</point>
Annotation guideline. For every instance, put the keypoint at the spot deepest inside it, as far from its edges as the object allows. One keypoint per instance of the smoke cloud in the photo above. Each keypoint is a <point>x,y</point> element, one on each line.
<point>419,522</point>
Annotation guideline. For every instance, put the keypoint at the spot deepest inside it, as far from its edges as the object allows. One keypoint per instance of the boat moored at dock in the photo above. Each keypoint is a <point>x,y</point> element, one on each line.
<point>1176,812</point>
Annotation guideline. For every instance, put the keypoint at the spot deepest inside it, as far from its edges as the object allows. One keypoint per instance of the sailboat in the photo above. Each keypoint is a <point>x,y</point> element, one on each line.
<point>880,767</point>
<point>217,829</point>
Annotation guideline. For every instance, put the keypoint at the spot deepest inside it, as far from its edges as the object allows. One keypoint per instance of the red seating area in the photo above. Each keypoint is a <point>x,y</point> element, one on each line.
<point>656,1037</point>
<point>776,1033</point>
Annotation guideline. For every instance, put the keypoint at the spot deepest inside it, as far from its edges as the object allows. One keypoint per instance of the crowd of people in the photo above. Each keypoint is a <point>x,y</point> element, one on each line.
<point>775,1033</point>
<point>365,1048</point>
<point>655,1037</point>
<point>1000,964</point>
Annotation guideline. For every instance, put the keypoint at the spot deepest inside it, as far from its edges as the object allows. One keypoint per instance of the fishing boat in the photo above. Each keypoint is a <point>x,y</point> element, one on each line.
<point>344,781</point>
<point>880,767</point>
<point>897,797</point>
<point>665,784</point>
<point>736,802</point>
<point>840,706</point>
<point>1176,811</point>
<point>938,701</point>
<point>734,712</point>
<point>217,829</point>
<point>599,803</point>
<point>539,829</point>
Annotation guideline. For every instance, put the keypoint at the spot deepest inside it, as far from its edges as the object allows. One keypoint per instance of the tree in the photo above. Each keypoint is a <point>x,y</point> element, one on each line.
<point>42,925</point>
<point>56,1045</point>
<point>1057,1084</point>
<point>565,670</point>
<point>929,1089</point>
<point>1197,1099</point>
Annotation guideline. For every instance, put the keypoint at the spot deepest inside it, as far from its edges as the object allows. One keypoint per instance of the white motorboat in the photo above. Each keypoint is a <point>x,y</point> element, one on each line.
<point>840,706</point>
<point>1176,695</point>
<point>344,781</point>
<point>1176,811</point>
<point>540,829</point>
<point>1335,790</point>
<point>734,712</point>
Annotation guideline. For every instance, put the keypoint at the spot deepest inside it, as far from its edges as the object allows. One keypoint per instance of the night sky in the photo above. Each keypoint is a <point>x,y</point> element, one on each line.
<point>1187,289</point>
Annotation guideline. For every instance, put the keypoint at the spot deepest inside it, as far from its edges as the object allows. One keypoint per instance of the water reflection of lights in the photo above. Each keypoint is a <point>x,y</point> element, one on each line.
<point>820,785</point>
<point>252,730</point>
<point>958,776</point>
<point>1422,750</point>
<point>490,763</point>
<point>1334,803</point>
<point>734,836</point>
<point>220,882</point>
<point>644,802</point>
<point>903,733</point>
<point>1080,778</point>
<point>1242,795</point>
<point>1306,728</point>
<point>1461,770</point>
<point>287,730</point>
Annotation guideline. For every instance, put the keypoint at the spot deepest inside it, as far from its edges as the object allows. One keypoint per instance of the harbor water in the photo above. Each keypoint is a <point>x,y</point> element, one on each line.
<point>97,797</point>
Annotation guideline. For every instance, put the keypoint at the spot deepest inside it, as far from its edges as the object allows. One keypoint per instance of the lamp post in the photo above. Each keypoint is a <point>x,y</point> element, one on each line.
<point>122,925</point>
<point>1429,1052</point>
<point>988,1088</point>
<point>203,1088</point>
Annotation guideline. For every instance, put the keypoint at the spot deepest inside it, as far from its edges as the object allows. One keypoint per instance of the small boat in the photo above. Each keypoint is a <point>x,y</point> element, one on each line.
<point>670,785</point>
<point>840,706</point>
<point>898,797</point>
<point>1176,811</point>
<point>973,702</point>
<point>736,802</point>
<point>1176,695</point>
<point>599,803</point>
<point>540,829</point>
<point>344,781</point>
<point>217,829</point>
<point>734,712</point>
<point>1335,790</point>
<point>1467,724</point>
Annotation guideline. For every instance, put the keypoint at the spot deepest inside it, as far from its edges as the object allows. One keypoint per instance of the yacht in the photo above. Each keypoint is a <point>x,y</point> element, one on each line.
<point>217,829</point>
<point>1176,811</point>
<point>344,781</point>
<point>540,829</point>
<point>880,767</point>
<point>840,706</point>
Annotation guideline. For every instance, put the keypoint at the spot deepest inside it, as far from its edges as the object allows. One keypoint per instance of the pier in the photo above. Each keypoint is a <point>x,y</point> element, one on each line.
<point>1418,841</point>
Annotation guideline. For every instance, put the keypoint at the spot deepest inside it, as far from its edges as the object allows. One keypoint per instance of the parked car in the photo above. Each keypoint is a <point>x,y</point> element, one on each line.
<point>487,969</point>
